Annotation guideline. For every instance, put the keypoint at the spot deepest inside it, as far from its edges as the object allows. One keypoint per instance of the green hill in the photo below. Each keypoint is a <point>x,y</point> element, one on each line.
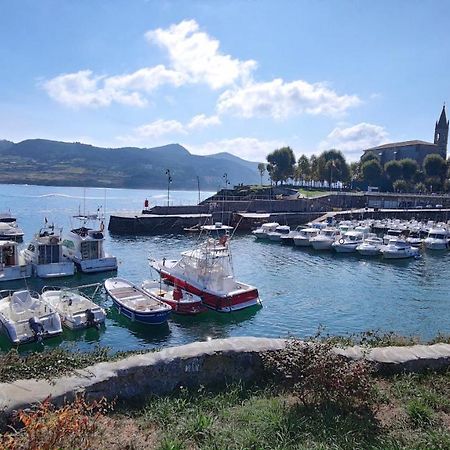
<point>40,161</point>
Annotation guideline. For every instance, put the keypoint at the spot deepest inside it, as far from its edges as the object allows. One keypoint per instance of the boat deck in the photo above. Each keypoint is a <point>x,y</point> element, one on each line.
<point>134,299</point>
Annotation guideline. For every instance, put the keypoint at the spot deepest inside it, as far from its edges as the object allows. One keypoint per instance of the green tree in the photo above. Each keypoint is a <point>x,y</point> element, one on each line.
<point>303,168</point>
<point>420,188</point>
<point>393,170</point>
<point>313,164</point>
<point>400,186</point>
<point>446,186</point>
<point>434,184</point>
<point>369,156</point>
<point>371,171</point>
<point>410,168</point>
<point>262,169</point>
<point>435,166</point>
<point>332,166</point>
<point>281,164</point>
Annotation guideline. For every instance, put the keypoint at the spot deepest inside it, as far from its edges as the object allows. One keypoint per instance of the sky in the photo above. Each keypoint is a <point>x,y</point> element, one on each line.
<point>241,76</point>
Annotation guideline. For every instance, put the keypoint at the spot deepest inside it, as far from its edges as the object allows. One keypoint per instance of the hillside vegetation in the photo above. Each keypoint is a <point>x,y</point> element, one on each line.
<point>39,161</point>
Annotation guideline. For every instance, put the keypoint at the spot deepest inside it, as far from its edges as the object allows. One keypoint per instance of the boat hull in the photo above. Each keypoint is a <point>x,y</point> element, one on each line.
<point>232,302</point>
<point>345,248</point>
<point>368,251</point>
<point>15,272</point>
<point>157,318</point>
<point>302,242</point>
<point>54,270</point>
<point>436,245</point>
<point>321,245</point>
<point>107,264</point>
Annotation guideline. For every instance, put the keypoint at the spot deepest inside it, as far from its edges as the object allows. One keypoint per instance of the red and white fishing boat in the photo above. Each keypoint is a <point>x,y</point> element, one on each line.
<point>181,301</point>
<point>207,271</point>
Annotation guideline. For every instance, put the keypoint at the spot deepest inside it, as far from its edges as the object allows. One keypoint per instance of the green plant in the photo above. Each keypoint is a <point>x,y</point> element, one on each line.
<point>420,413</point>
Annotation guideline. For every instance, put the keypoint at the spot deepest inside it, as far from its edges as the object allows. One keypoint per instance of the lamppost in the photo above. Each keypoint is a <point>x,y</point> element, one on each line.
<point>169,180</point>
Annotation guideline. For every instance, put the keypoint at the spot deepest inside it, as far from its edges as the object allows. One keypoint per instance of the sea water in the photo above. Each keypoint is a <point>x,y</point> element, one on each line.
<point>302,290</point>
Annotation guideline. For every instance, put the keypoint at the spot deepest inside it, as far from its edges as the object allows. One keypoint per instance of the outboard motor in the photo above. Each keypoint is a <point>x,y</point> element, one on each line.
<point>36,327</point>
<point>90,319</point>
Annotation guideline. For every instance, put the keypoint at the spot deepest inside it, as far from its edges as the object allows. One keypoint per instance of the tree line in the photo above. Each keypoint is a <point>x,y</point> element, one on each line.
<point>330,166</point>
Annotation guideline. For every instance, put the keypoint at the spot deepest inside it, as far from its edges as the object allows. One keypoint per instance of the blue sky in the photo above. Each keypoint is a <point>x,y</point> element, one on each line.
<point>239,76</point>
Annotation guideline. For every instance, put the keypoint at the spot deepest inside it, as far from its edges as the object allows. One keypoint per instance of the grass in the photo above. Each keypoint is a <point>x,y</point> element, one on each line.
<point>311,193</point>
<point>52,363</point>
<point>268,418</point>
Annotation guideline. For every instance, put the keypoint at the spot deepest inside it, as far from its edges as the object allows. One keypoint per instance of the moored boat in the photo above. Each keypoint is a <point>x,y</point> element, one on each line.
<point>12,264</point>
<point>180,300</point>
<point>136,304</point>
<point>45,254</point>
<point>282,230</point>
<point>371,246</point>
<point>398,249</point>
<point>437,239</point>
<point>348,242</point>
<point>303,238</point>
<point>324,240</point>
<point>25,317</point>
<point>207,271</point>
<point>85,247</point>
<point>264,229</point>
<point>76,310</point>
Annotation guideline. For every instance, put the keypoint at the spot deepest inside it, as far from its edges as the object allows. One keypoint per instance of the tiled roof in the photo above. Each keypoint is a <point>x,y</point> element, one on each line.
<point>400,144</point>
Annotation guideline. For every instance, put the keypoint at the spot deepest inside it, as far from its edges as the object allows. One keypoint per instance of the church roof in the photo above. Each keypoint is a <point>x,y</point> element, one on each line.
<point>400,144</point>
<point>442,122</point>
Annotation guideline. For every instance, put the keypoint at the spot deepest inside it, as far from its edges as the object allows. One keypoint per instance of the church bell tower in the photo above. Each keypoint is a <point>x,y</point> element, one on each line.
<point>441,134</point>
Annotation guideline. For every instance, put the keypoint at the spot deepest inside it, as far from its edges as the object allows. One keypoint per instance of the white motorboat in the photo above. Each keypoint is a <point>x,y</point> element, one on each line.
<point>76,310</point>
<point>25,317</point>
<point>45,254</point>
<point>85,247</point>
<point>437,239</point>
<point>371,246</point>
<point>282,230</point>
<point>10,232</point>
<point>12,264</point>
<point>392,234</point>
<point>303,239</point>
<point>348,242</point>
<point>414,238</point>
<point>288,239</point>
<point>398,249</point>
<point>324,240</point>
<point>207,271</point>
<point>264,229</point>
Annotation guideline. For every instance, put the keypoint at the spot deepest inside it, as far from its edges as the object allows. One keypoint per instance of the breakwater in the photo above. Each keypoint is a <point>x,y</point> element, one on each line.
<point>250,212</point>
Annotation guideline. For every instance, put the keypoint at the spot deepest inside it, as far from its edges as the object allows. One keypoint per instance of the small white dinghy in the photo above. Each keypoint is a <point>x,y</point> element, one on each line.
<point>76,310</point>
<point>25,317</point>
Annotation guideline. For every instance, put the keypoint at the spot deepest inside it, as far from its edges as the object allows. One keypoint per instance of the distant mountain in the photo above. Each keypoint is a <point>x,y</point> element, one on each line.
<point>40,161</point>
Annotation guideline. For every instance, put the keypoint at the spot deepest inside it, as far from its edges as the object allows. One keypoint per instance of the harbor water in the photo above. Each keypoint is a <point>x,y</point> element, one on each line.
<point>301,290</point>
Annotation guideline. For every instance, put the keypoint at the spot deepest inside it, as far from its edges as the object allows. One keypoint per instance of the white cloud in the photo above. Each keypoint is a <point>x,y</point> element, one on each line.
<point>162,127</point>
<point>355,139</point>
<point>196,55</point>
<point>203,121</point>
<point>159,128</point>
<point>245,147</point>
<point>84,89</point>
<point>279,99</point>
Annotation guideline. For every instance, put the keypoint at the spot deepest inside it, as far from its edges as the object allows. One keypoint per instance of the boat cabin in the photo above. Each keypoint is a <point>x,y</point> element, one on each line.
<point>8,254</point>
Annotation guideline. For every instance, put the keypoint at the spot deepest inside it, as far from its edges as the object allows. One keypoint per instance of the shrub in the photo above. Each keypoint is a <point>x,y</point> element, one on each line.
<point>47,427</point>
<point>419,413</point>
<point>318,375</point>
